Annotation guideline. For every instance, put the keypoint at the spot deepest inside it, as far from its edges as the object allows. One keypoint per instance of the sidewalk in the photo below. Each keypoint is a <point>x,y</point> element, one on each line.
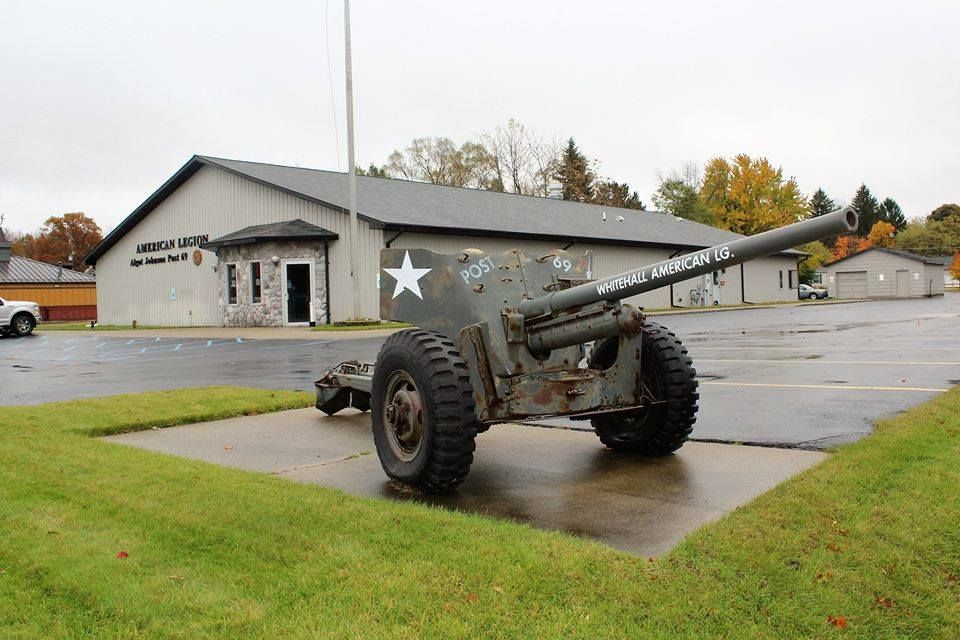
<point>221,333</point>
<point>305,333</point>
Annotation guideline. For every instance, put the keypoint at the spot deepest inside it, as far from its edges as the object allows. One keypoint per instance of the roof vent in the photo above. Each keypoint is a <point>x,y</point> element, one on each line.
<point>555,191</point>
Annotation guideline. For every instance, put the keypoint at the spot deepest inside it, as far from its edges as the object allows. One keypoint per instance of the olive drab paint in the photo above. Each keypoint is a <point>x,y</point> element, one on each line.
<point>521,323</point>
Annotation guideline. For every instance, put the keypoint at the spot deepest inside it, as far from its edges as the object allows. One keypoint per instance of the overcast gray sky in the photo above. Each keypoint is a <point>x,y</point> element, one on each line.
<point>103,101</point>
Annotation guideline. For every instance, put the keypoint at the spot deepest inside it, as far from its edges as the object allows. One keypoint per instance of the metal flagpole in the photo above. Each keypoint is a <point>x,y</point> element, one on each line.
<point>351,169</point>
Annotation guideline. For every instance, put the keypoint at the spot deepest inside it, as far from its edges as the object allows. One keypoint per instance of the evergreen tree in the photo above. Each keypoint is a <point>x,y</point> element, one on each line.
<point>575,174</point>
<point>373,171</point>
<point>821,203</point>
<point>867,207</point>
<point>616,194</point>
<point>891,212</point>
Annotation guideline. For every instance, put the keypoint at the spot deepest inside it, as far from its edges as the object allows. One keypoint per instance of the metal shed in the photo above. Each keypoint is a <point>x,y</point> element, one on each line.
<point>879,272</point>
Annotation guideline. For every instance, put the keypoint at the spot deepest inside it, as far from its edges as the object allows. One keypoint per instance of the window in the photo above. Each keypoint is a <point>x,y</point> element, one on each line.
<point>818,278</point>
<point>231,284</point>
<point>256,290</point>
<point>790,278</point>
<point>781,279</point>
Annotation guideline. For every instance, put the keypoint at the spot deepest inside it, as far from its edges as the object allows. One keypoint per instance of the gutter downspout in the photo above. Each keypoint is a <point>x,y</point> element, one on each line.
<point>672,305</point>
<point>326,277</point>
<point>743,286</point>
<point>799,260</point>
<point>391,240</point>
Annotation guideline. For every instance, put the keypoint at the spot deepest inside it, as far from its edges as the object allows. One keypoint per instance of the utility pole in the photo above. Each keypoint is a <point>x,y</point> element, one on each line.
<point>354,245</point>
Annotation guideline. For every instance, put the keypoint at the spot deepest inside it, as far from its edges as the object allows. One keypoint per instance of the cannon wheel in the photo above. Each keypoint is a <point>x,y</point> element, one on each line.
<point>424,422</point>
<point>667,373</point>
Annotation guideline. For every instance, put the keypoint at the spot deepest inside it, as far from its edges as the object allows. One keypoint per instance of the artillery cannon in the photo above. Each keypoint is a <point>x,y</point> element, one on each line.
<point>503,337</point>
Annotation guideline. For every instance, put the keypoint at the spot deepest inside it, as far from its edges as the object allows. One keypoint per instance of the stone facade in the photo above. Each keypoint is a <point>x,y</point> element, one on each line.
<point>269,311</point>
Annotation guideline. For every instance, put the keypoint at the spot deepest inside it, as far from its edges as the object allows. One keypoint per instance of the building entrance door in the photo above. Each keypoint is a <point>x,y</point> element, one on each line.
<point>903,284</point>
<point>297,291</point>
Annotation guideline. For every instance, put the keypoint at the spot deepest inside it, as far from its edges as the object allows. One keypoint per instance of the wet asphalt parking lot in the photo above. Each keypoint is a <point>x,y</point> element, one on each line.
<point>799,377</point>
<point>809,376</point>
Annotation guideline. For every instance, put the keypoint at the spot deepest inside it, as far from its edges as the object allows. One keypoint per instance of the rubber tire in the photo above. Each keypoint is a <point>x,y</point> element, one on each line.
<point>449,422</point>
<point>673,422</point>
<point>14,324</point>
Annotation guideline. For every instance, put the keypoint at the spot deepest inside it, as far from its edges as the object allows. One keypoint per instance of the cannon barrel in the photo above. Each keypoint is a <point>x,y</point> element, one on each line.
<point>691,265</point>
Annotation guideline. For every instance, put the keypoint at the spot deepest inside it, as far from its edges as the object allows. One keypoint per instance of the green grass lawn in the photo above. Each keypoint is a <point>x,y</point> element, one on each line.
<point>361,326</point>
<point>869,538</point>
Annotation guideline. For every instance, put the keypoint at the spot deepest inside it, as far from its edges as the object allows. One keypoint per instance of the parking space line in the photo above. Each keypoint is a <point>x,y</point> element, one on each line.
<point>181,354</point>
<point>822,361</point>
<point>23,342</point>
<point>843,387</point>
<point>818,348</point>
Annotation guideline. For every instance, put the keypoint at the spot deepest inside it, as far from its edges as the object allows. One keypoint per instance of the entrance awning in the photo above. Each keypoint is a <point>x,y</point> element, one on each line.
<point>288,230</point>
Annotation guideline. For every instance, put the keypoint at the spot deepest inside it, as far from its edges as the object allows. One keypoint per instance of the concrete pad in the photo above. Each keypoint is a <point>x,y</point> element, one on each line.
<point>549,478</point>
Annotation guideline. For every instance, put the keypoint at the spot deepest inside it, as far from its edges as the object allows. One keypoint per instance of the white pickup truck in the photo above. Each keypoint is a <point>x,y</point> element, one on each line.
<point>18,317</point>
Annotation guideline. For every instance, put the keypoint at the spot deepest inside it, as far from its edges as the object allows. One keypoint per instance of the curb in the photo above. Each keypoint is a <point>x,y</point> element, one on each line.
<point>680,312</point>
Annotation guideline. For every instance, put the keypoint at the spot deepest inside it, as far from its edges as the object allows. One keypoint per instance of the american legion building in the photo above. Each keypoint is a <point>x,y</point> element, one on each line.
<point>233,243</point>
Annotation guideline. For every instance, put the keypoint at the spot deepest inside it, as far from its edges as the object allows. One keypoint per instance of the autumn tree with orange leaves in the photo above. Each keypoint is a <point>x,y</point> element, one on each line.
<point>955,267</point>
<point>62,239</point>
<point>848,245</point>
<point>881,234</point>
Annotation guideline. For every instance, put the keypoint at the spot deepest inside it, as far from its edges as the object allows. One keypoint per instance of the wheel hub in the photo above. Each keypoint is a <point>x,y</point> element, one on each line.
<point>403,415</point>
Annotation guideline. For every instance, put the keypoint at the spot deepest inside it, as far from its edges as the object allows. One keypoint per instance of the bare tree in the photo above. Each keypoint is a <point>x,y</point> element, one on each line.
<point>688,174</point>
<point>520,160</point>
<point>544,160</point>
<point>511,158</point>
<point>441,161</point>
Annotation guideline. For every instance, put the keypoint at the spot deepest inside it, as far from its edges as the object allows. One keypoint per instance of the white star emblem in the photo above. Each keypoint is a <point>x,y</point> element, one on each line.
<point>407,277</point>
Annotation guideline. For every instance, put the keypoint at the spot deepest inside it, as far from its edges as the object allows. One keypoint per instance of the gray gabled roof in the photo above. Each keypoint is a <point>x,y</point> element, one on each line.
<point>287,230</point>
<point>26,271</point>
<point>403,205</point>
<point>896,252</point>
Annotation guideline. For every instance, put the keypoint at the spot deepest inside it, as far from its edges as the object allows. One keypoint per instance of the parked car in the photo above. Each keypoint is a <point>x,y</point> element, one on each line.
<point>809,293</point>
<point>18,317</point>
